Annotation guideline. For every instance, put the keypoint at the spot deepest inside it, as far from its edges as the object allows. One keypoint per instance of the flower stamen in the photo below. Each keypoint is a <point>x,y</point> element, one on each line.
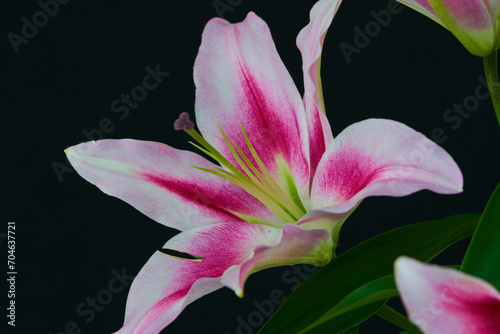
<point>259,184</point>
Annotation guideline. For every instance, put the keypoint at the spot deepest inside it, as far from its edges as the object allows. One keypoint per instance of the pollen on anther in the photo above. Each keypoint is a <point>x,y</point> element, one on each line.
<point>183,122</point>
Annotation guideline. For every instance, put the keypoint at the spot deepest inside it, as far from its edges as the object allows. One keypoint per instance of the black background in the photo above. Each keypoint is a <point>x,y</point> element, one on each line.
<point>70,236</point>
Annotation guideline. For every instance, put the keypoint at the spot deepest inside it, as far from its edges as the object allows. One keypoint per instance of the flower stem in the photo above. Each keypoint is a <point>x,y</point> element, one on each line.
<point>491,71</point>
<point>397,319</point>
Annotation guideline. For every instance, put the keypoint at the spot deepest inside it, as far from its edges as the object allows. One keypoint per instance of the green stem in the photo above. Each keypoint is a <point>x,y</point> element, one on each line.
<point>491,71</point>
<point>397,319</point>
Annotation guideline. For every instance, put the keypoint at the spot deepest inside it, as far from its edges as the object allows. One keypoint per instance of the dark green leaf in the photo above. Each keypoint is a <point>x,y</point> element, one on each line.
<point>346,320</point>
<point>483,256</point>
<point>367,262</point>
<point>371,297</point>
<point>353,330</point>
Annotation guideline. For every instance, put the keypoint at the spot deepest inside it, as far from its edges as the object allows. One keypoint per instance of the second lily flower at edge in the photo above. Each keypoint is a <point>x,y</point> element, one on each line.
<point>301,184</point>
<point>447,301</point>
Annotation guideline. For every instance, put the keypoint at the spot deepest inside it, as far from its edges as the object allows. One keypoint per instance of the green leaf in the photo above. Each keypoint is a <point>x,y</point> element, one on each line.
<point>371,297</point>
<point>355,269</point>
<point>483,256</point>
<point>354,330</point>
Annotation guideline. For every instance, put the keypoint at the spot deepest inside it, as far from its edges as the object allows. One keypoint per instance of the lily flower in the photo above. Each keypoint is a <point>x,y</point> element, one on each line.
<point>476,24</point>
<point>282,186</point>
<point>473,22</point>
<point>445,300</point>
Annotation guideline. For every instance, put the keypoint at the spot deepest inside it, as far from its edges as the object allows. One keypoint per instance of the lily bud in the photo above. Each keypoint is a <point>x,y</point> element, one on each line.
<point>473,22</point>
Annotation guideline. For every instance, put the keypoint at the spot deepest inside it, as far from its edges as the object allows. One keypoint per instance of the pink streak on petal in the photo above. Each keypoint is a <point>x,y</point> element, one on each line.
<point>158,181</point>
<point>320,136</point>
<point>263,124</point>
<point>470,14</point>
<point>353,170</point>
<point>310,43</point>
<point>445,301</point>
<point>240,78</point>
<point>211,201</point>
<point>469,305</point>
<point>166,285</point>
<point>381,157</point>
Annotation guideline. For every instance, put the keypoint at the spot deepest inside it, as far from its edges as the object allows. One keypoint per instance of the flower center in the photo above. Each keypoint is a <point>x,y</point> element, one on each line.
<point>256,181</point>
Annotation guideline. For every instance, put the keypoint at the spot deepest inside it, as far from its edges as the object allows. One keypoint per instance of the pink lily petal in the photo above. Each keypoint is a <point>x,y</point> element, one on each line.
<point>166,284</point>
<point>310,43</point>
<point>447,301</point>
<point>379,157</point>
<point>329,221</point>
<point>240,78</point>
<point>158,181</point>
<point>293,245</point>
<point>423,7</point>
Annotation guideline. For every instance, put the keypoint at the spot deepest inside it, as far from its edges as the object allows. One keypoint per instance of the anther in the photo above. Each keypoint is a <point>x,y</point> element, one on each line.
<point>183,122</point>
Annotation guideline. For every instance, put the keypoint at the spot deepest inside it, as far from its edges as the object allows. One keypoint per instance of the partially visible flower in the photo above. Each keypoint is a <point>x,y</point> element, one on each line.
<point>283,186</point>
<point>447,301</point>
<point>474,22</point>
